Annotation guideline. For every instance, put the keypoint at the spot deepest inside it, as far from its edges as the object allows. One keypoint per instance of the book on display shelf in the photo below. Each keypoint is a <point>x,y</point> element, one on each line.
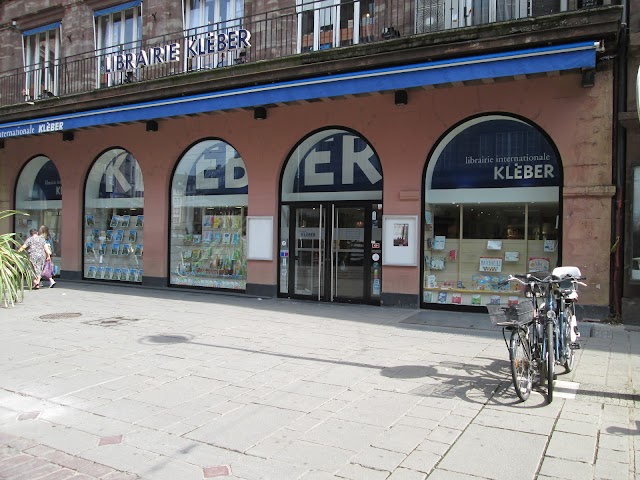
<point>109,235</point>
<point>108,272</point>
<point>88,221</point>
<point>126,249</point>
<point>115,220</point>
<point>102,249</point>
<point>116,274</point>
<point>125,220</point>
<point>140,221</point>
<point>118,236</point>
<point>115,249</point>
<point>138,250</point>
<point>133,235</point>
<point>207,236</point>
<point>95,235</point>
<point>91,273</point>
<point>124,274</point>
<point>88,248</point>
<point>100,272</point>
<point>197,238</point>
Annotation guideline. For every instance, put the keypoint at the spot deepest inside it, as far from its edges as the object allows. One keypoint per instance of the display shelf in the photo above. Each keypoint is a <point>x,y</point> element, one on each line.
<point>114,245</point>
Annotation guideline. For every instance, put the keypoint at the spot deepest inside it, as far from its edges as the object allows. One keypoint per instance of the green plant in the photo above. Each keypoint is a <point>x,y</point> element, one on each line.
<point>15,268</point>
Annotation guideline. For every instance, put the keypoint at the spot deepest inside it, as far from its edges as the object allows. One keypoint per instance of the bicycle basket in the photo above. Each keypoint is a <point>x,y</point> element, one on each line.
<point>519,314</point>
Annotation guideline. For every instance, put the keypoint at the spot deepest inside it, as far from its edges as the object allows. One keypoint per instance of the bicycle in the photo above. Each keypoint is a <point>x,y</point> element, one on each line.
<point>565,289</point>
<point>531,347</point>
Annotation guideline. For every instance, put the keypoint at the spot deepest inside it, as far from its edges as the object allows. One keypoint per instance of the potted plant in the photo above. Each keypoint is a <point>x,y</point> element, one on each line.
<point>15,268</point>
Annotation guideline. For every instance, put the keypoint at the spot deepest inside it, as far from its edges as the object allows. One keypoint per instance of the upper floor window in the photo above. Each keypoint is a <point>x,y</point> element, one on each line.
<point>324,24</point>
<point>203,16</point>
<point>41,54</point>
<point>118,30</point>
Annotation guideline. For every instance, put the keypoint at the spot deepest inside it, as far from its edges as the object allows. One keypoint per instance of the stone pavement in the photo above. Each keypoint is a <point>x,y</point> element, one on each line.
<point>119,382</point>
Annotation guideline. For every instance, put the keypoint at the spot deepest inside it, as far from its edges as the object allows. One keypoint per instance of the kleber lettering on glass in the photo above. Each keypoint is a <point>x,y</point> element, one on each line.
<point>342,160</point>
<point>523,172</point>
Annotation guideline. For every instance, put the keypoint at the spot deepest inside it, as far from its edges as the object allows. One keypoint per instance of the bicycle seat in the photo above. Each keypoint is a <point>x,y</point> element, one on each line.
<point>567,287</point>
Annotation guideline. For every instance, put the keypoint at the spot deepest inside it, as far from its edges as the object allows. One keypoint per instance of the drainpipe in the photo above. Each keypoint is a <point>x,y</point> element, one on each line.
<point>619,169</point>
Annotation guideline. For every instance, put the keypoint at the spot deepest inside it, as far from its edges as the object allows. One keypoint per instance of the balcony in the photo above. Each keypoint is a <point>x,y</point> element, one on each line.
<point>309,37</point>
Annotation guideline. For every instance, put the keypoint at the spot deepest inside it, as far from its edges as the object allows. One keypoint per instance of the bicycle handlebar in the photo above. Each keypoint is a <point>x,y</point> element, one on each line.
<point>548,278</point>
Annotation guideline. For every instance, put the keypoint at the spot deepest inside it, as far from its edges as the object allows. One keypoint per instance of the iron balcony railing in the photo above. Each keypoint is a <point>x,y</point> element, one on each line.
<point>311,26</point>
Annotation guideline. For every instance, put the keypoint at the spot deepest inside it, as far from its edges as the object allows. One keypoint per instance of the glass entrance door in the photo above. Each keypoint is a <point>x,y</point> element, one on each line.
<point>335,254</point>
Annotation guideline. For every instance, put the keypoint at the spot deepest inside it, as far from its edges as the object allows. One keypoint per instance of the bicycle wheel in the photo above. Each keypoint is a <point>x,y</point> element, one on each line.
<point>569,352</point>
<point>521,366</point>
<point>550,361</point>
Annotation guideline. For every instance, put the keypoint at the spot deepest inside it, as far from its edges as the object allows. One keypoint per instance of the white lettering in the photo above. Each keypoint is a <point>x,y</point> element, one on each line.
<point>350,158</point>
<point>113,172</point>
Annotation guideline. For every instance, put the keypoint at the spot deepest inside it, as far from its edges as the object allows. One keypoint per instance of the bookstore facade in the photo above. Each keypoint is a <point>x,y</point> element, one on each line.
<point>429,202</point>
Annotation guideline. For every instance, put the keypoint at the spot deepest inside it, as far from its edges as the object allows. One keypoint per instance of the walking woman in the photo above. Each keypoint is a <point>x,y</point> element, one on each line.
<point>47,272</point>
<point>38,252</point>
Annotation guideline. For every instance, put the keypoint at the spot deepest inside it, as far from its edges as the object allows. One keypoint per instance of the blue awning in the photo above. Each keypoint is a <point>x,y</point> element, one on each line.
<point>44,28</point>
<point>117,8</point>
<point>515,62</point>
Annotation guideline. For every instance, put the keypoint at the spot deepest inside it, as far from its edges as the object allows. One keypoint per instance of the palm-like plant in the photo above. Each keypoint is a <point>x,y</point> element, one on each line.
<point>15,268</point>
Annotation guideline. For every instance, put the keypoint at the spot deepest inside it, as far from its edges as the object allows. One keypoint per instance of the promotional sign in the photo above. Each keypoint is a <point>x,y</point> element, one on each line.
<point>497,154</point>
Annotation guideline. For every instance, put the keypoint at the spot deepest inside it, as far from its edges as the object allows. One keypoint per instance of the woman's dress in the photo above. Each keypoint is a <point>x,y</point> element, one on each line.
<point>36,252</point>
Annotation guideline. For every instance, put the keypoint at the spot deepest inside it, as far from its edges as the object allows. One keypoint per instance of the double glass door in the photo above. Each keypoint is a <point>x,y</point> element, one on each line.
<point>336,253</point>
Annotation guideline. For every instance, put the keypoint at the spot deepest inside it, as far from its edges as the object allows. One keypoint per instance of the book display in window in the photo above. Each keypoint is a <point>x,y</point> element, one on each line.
<point>485,244</point>
<point>113,245</point>
<point>209,249</point>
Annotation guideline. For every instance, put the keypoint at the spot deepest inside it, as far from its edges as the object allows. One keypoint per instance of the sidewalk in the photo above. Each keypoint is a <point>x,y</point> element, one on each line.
<point>117,382</point>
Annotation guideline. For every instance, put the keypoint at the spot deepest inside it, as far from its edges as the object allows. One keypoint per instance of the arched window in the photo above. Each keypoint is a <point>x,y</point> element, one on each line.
<point>492,189</point>
<point>209,198</point>
<point>39,193</point>
<point>114,218</point>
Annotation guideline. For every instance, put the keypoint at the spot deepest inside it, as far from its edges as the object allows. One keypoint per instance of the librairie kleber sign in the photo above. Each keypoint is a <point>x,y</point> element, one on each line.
<point>213,42</point>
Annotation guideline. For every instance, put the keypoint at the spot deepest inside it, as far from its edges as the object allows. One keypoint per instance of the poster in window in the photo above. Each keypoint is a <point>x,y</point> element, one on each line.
<point>490,264</point>
<point>538,264</point>
<point>494,245</point>
<point>439,242</point>
<point>511,256</point>
<point>400,234</point>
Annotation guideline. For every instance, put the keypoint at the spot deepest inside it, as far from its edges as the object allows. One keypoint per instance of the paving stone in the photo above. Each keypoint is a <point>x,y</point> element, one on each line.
<point>566,469</point>
<point>378,459</point>
<point>406,474</point>
<point>481,451</point>
<point>358,472</point>
<point>570,446</point>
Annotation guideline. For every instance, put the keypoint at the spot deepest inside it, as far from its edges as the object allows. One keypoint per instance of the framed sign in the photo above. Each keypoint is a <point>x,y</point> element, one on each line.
<point>259,238</point>
<point>400,246</point>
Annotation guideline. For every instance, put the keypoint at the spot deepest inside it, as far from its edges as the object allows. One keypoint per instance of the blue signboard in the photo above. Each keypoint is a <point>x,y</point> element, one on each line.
<point>497,154</point>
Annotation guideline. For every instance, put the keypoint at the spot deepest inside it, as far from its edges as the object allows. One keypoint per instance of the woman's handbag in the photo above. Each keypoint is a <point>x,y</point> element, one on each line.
<point>47,271</point>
